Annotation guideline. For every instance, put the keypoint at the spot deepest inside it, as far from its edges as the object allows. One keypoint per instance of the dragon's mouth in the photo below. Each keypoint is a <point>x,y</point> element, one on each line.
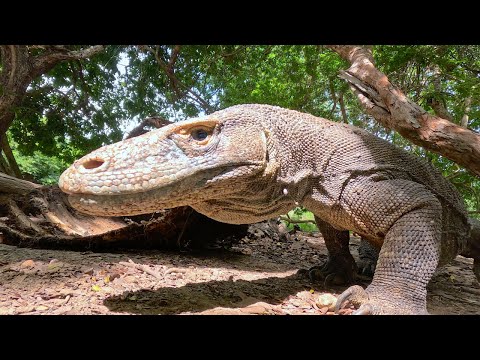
<point>73,182</point>
<point>187,191</point>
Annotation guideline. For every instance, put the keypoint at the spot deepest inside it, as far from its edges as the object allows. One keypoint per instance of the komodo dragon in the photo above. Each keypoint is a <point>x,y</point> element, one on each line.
<point>249,163</point>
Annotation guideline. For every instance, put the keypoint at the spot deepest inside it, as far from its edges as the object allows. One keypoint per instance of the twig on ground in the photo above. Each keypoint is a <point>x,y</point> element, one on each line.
<point>141,267</point>
<point>175,269</point>
<point>292,221</point>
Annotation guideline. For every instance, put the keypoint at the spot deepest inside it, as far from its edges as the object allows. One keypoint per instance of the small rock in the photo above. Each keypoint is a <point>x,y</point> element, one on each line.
<point>28,264</point>
<point>327,300</point>
<point>41,308</point>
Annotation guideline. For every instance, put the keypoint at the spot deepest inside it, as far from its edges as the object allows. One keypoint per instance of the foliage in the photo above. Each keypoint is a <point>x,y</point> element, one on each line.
<point>81,105</point>
<point>76,102</point>
<point>300,213</point>
<point>39,167</point>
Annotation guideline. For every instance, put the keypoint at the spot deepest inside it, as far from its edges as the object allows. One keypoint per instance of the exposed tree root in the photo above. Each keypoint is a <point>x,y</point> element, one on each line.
<point>35,216</point>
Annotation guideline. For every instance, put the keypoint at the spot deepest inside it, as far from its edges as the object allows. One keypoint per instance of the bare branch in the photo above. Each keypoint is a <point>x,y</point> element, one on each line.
<point>141,267</point>
<point>43,63</point>
<point>12,163</point>
<point>174,57</point>
<point>389,106</point>
<point>20,67</point>
<point>10,184</point>
<point>333,95</point>
<point>181,90</point>
<point>342,108</point>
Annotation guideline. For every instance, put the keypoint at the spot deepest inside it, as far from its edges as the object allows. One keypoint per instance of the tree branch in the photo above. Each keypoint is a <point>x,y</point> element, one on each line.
<point>389,106</point>
<point>333,95</point>
<point>10,184</point>
<point>175,83</point>
<point>342,108</point>
<point>468,103</point>
<point>174,57</point>
<point>45,62</point>
<point>4,166</point>
<point>20,67</point>
<point>7,150</point>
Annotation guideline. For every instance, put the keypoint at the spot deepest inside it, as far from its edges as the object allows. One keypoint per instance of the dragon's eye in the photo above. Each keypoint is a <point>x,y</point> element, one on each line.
<point>199,134</point>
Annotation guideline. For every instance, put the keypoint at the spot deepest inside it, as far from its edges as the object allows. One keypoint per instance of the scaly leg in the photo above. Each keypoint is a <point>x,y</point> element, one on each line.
<point>410,216</point>
<point>340,267</point>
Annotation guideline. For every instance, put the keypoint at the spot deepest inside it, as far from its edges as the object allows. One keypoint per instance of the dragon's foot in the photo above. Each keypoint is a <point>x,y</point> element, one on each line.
<point>366,267</point>
<point>336,270</point>
<point>368,257</point>
<point>378,302</point>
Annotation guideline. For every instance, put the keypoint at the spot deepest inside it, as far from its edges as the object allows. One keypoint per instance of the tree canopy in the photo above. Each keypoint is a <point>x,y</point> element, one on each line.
<point>82,103</point>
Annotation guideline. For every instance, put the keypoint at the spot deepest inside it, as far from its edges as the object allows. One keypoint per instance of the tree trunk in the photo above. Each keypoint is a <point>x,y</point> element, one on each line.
<point>11,159</point>
<point>14,80</point>
<point>12,185</point>
<point>19,68</point>
<point>389,106</point>
<point>4,165</point>
<point>40,216</point>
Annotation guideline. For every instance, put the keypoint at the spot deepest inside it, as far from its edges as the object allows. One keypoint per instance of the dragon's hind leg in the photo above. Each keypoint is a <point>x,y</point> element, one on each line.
<point>411,218</point>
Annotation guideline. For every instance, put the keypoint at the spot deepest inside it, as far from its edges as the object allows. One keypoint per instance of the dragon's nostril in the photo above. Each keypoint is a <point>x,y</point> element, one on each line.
<point>93,163</point>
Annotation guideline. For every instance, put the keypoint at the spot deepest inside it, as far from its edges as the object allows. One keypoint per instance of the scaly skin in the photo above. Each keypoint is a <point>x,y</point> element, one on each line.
<point>249,163</point>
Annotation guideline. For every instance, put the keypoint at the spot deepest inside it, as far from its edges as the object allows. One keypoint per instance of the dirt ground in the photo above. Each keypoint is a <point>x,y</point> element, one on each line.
<point>258,275</point>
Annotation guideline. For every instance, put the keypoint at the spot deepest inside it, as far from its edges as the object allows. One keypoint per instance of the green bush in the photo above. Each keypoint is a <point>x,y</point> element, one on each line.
<point>300,213</point>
